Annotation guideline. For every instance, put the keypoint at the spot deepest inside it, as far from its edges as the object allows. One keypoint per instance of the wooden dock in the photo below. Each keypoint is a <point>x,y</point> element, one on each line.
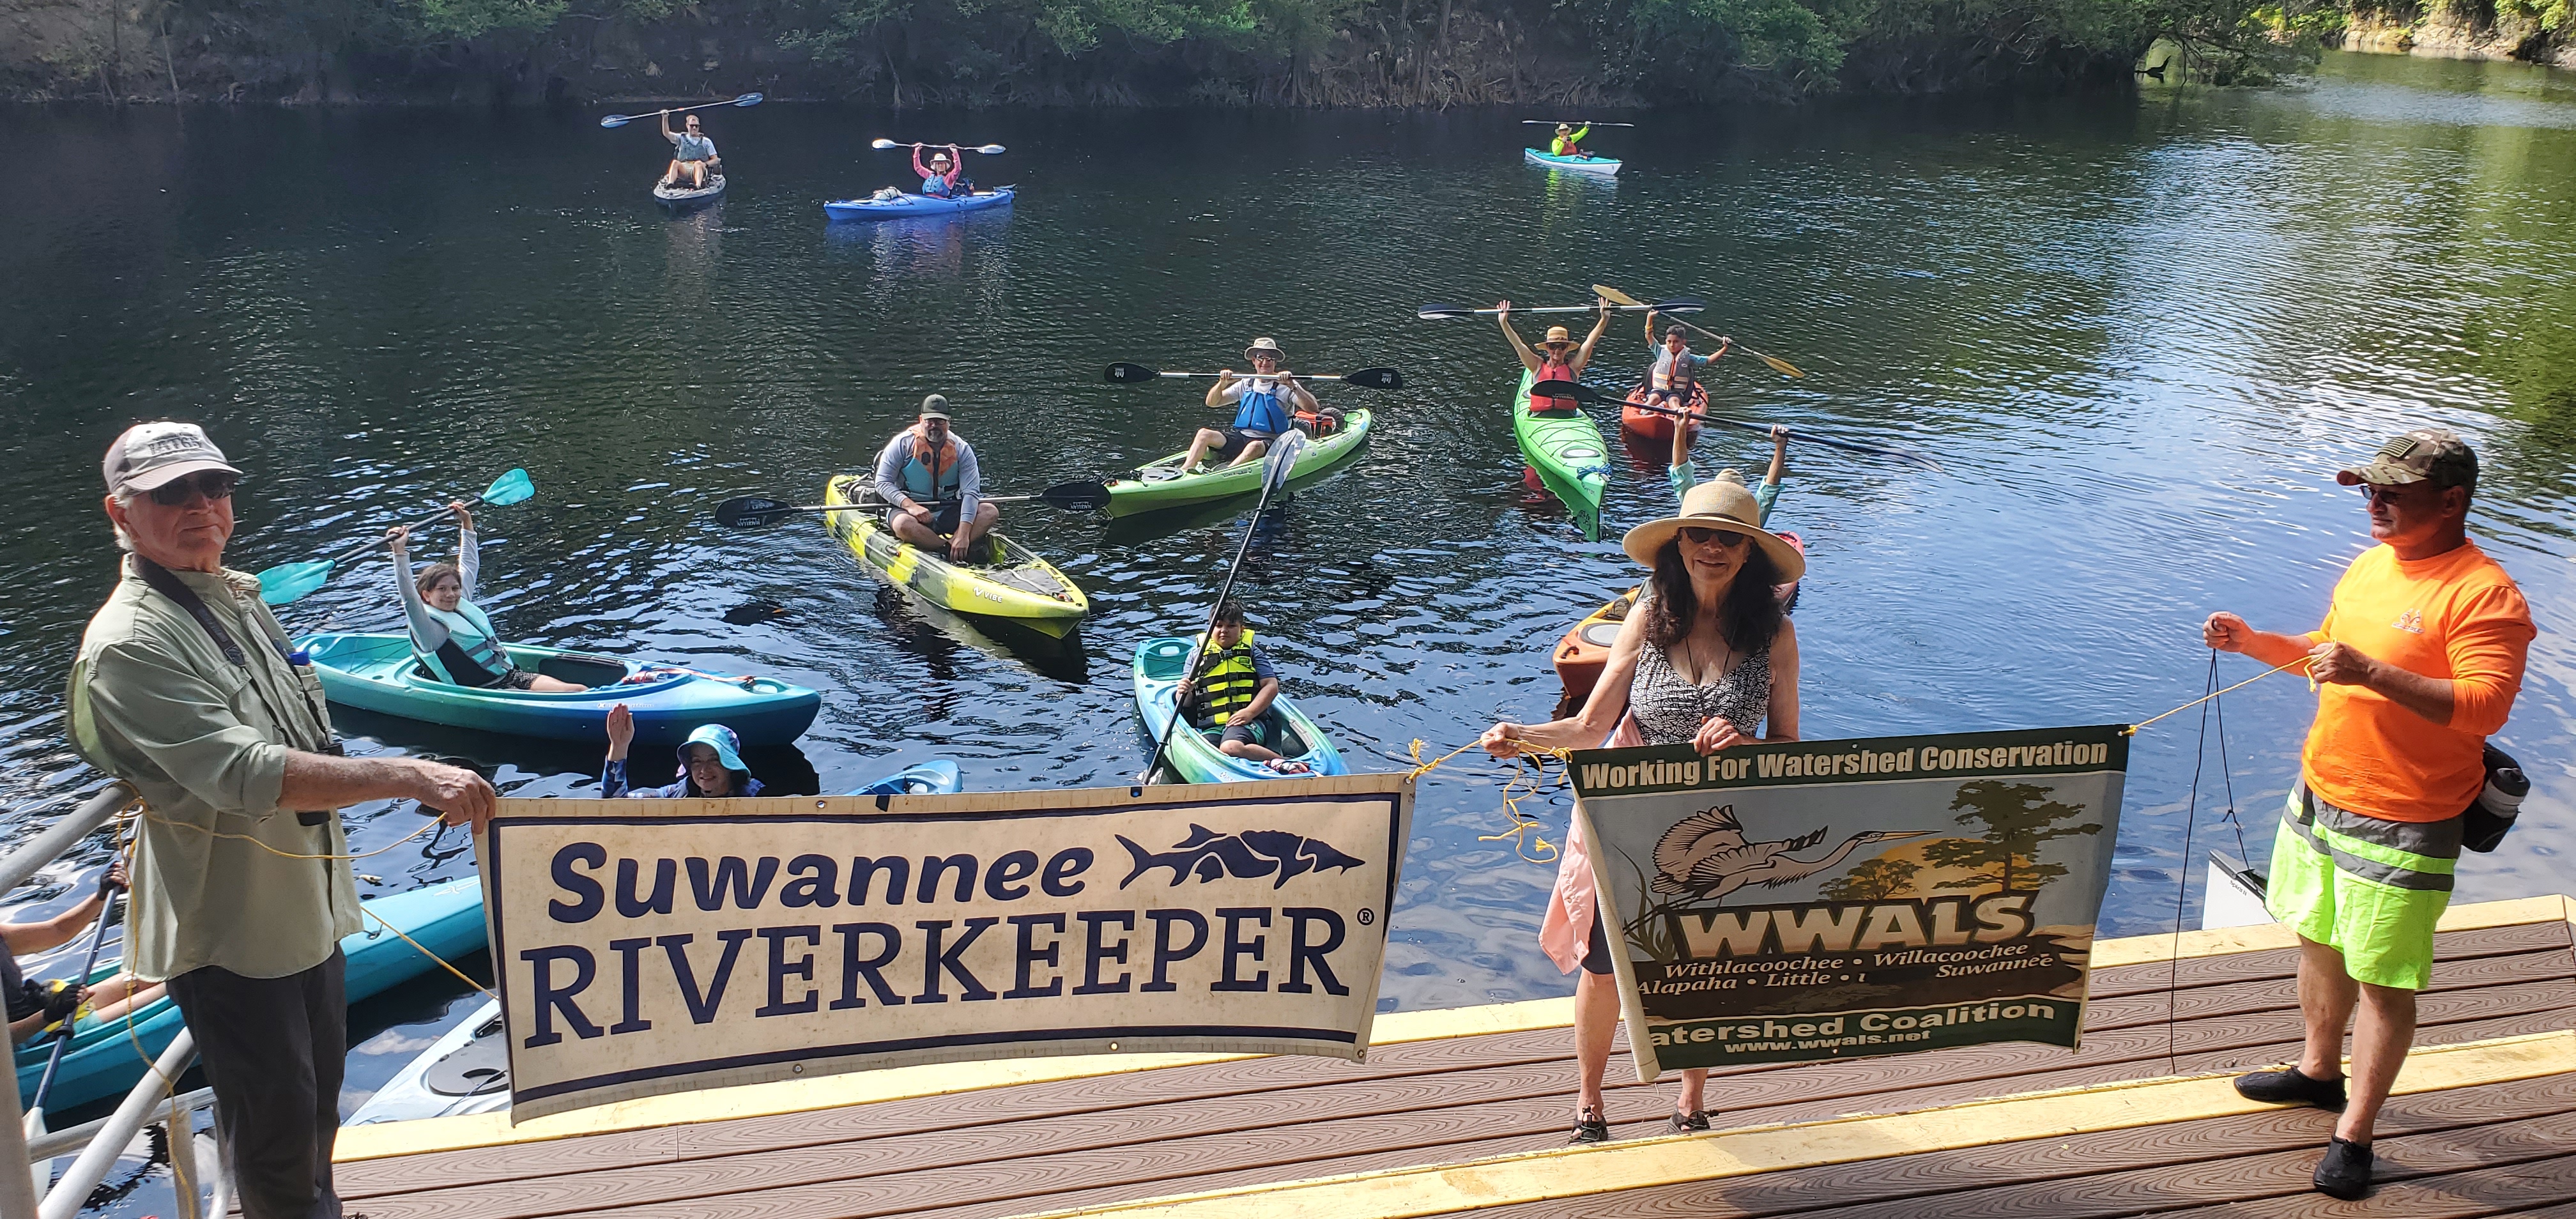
<point>1466,1110</point>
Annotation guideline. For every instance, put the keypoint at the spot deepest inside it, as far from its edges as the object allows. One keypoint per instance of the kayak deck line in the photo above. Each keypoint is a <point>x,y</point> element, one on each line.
<point>1506,1065</point>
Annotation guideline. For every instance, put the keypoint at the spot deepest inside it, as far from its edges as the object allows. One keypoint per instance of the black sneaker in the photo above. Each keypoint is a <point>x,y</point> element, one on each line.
<point>1692,1122</point>
<point>2288,1087</point>
<point>1590,1128</point>
<point>2345,1172</point>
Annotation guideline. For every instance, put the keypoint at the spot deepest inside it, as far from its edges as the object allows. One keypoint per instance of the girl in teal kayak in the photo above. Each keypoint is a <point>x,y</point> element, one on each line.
<point>451,636</point>
<point>710,764</point>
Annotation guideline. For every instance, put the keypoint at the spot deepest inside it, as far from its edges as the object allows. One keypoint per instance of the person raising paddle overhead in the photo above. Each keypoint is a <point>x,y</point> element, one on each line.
<point>451,636</point>
<point>1266,404</point>
<point>928,474</point>
<point>939,178</point>
<point>693,155</point>
<point>1676,373</point>
<point>1563,361</point>
<point>1569,140</point>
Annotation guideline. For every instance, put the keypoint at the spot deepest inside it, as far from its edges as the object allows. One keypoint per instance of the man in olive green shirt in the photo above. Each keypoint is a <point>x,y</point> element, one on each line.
<point>185,687</point>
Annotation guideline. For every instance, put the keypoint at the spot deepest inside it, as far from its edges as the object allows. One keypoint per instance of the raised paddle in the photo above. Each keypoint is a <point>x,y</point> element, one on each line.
<point>1778,365</point>
<point>620,120</point>
<point>753,511</point>
<point>290,582</point>
<point>1576,122</point>
<point>1681,304</point>
<point>1366,378</point>
<point>1275,469</point>
<point>882,144</point>
<point>1585,393</point>
<point>45,1084</point>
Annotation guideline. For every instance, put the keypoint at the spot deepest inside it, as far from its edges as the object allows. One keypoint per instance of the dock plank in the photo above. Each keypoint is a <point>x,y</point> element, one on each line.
<point>1957,1182</point>
<point>2473,1194</point>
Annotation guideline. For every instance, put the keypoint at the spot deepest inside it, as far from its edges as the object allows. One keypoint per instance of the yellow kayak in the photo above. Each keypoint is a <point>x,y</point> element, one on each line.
<point>1020,586</point>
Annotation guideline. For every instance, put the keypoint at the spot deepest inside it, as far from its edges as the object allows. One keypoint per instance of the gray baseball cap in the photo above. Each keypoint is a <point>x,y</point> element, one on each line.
<point>150,454</point>
<point>2424,455</point>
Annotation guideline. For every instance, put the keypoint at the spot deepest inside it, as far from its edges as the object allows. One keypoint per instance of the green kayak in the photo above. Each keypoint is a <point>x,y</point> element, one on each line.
<point>1162,485</point>
<point>1567,452</point>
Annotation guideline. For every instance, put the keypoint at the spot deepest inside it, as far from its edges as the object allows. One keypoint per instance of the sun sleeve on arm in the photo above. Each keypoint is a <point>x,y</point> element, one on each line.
<point>427,634</point>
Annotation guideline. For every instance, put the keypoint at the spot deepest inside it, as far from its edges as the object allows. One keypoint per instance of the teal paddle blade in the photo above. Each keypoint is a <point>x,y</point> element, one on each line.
<point>510,488</point>
<point>289,582</point>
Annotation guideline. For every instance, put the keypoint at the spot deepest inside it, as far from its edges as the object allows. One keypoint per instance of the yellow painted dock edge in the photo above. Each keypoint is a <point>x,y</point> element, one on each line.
<point>1394,1028</point>
<point>1605,1170</point>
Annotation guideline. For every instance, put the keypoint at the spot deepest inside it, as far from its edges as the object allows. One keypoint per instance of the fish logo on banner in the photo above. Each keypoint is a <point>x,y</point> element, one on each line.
<point>1249,855</point>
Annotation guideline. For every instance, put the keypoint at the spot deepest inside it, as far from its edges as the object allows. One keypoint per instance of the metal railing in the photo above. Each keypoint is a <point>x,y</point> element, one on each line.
<point>99,1143</point>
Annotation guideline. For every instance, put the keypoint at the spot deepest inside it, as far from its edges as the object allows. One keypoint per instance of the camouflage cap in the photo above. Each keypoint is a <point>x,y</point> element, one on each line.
<point>2423,455</point>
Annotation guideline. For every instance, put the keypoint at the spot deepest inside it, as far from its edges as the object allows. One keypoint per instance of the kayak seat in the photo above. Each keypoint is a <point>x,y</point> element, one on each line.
<point>584,670</point>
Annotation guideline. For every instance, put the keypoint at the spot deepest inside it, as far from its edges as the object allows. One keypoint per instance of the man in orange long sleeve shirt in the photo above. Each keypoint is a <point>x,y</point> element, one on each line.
<point>2419,660</point>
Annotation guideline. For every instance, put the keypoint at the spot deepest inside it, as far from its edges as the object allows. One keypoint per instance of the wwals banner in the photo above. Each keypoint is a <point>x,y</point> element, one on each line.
<point>653,946</point>
<point>1829,899</point>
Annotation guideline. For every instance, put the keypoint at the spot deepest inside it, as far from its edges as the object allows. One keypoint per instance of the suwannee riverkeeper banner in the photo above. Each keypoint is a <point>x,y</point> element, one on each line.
<point>1831,899</point>
<point>655,946</point>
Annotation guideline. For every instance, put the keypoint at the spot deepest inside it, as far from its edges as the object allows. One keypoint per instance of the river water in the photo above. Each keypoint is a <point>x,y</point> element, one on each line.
<point>2139,334</point>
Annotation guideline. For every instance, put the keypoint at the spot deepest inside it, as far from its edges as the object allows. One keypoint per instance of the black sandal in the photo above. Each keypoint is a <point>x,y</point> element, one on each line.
<point>1693,1122</point>
<point>1589,1127</point>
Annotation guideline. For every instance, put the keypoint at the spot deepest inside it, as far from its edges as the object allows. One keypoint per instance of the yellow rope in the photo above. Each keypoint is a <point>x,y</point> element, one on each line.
<point>2132,730</point>
<point>1523,833</point>
<point>424,951</point>
<point>425,827</point>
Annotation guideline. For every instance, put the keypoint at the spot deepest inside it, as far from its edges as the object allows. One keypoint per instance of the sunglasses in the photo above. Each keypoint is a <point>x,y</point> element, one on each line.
<point>1727,538</point>
<point>213,484</point>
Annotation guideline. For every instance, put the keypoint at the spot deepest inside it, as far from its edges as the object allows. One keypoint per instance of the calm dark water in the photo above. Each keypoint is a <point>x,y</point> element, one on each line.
<point>2139,333</point>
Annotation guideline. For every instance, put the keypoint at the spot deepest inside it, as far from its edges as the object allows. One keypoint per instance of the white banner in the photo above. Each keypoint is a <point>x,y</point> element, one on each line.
<point>655,946</point>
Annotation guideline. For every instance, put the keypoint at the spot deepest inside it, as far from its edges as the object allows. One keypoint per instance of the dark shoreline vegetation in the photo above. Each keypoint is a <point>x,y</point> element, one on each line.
<point>1428,53</point>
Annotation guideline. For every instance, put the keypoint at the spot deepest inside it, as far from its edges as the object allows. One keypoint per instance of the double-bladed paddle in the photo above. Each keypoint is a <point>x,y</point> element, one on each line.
<point>754,511</point>
<point>35,1117</point>
<point>1276,466</point>
<point>882,144</point>
<point>1366,378</point>
<point>1778,365</point>
<point>1679,304</point>
<point>1585,393</point>
<point>620,120</point>
<point>290,582</point>
<point>1576,122</point>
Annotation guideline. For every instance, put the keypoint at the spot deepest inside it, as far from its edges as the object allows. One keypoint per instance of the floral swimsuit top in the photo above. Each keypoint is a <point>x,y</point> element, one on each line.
<point>1669,709</point>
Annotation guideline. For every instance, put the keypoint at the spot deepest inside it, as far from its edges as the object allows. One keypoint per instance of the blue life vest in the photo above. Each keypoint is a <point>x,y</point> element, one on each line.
<point>931,476</point>
<point>935,186</point>
<point>472,655</point>
<point>1263,411</point>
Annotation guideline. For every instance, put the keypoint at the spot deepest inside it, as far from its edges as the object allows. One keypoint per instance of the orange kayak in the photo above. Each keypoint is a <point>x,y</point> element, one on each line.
<point>1655,425</point>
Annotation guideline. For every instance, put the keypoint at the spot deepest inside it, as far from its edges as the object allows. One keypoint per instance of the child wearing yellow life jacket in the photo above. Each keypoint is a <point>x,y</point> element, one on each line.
<point>1234,686</point>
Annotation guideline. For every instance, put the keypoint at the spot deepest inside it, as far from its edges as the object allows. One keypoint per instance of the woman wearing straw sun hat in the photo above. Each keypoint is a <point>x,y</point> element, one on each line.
<point>1562,360</point>
<point>1707,658</point>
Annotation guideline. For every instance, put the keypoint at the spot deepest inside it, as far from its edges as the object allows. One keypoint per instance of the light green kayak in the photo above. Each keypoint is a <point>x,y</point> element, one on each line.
<point>1567,452</point>
<point>1164,486</point>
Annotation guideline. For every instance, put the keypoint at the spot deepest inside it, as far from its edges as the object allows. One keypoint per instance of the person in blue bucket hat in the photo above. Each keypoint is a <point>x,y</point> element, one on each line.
<point>710,763</point>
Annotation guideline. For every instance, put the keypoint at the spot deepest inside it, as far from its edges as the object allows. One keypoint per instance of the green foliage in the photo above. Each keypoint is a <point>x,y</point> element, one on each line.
<point>2019,818</point>
<point>465,19</point>
<point>1877,880</point>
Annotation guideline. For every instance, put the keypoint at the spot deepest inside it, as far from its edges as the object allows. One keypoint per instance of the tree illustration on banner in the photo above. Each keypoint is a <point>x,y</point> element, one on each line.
<point>2019,819</point>
<point>1877,880</point>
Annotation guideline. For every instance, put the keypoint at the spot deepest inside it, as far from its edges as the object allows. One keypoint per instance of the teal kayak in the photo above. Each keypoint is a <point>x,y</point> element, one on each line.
<point>377,673</point>
<point>1582,165</point>
<point>1193,753</point>
<point>107,1057</point>
<point>1159,484</point>
<point>1565,448</point>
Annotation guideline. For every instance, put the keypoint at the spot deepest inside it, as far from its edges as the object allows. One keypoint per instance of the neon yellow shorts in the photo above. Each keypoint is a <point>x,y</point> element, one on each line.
<point>2368,888</point>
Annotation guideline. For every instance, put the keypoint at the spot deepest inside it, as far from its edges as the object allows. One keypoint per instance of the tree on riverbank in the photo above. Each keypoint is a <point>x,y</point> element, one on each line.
<point>1146,52</point>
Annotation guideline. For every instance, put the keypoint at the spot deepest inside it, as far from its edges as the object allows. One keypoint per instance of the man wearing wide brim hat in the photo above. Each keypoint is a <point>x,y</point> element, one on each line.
<point>2418,661</point>
<point>1569,140</point>
<point>1266,405</point>
<point>1562,360</point>
<point>1721,505</point>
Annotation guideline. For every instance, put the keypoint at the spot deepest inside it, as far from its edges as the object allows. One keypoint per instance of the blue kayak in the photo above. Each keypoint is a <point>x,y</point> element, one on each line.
<point>915,205</point>
<point>104,1061</point>
<point>937,777</point>
<point>377,673</point>
<point>1581,165</point>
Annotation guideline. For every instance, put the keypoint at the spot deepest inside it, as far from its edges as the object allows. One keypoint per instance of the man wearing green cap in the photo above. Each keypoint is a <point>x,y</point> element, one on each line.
<point>2419,659</point>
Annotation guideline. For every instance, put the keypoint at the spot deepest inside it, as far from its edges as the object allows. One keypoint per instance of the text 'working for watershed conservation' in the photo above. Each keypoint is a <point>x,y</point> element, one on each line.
<point>1825,899</point>
<point>658,946</point>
